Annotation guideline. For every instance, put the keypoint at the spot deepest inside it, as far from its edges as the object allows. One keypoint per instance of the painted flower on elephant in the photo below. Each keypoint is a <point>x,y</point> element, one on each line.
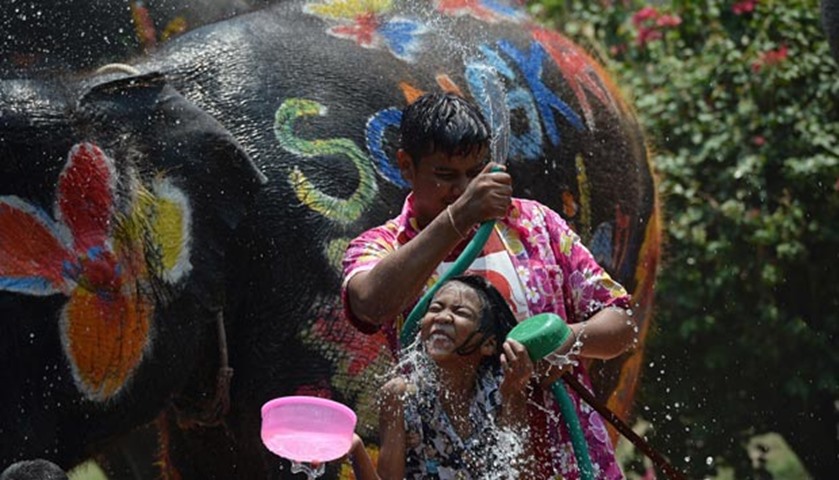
<point>110,262</point>
<point>364,22</point>
<point>357,361</point>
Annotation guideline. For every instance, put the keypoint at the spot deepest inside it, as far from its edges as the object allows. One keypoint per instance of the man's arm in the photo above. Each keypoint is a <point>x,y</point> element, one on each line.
<point>378,295</point>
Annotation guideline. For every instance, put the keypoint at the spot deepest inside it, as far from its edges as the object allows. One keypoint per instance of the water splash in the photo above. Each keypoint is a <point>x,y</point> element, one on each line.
<point>570,357</point>
<point>498,115</point>
<point>311,471</point>
<point>506,459</point>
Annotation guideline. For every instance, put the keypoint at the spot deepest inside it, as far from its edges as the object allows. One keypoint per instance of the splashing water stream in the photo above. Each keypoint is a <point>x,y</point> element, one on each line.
<point>507,446</point>
<point>311,471</point>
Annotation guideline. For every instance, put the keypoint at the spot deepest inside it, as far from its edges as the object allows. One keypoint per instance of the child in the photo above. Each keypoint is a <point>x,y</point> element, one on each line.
<point>444,418</point>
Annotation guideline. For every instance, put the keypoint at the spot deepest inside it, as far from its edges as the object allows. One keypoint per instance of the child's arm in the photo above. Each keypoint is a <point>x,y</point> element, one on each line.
<point>391,464</point>
<point>518,368</point>
<point>362,465</point>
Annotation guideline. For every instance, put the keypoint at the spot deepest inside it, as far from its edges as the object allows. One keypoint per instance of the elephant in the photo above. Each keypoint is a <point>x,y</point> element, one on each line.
<point>175,228</point>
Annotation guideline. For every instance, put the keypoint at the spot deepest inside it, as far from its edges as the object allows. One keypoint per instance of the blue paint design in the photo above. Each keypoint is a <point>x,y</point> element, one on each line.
<point>37,286</point>
<point>377,125</point>
<point>531,65</point>
<point>400,36</point>
<point>526,145</point>
<point>94,253</point>
<point>71,269</point>
<point>494,59</point>
<point>508,11</point>
<point>601,245</point>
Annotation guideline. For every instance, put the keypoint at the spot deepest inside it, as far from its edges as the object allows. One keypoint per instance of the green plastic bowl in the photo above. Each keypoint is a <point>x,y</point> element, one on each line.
<point>541,334</point>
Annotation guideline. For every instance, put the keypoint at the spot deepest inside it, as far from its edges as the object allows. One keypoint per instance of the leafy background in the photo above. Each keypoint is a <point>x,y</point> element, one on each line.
<point>739,101</point>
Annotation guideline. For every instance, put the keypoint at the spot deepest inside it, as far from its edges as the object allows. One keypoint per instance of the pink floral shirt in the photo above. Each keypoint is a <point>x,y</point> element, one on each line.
<point>553,272</point>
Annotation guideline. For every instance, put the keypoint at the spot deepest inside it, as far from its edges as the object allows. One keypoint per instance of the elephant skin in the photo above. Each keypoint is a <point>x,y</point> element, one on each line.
<point>44,36</point>
<point>311,94</point>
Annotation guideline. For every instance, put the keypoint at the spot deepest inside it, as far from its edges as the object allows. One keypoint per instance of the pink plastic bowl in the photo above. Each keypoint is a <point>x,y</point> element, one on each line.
<point>307,429</point>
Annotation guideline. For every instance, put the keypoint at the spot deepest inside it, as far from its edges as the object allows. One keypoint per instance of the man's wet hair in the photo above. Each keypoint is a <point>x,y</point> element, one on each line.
<point>496,319</point>
<point>442,122</point>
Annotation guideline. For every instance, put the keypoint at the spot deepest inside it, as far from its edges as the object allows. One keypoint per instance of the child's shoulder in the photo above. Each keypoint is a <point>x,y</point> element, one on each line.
<point>396,386</point>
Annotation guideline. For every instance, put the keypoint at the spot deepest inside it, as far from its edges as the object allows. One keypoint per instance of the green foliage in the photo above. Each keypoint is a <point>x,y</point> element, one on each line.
<point>742,113</point>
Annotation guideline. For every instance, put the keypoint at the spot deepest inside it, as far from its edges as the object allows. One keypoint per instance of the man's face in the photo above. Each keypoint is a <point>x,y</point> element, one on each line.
<point>439,179</point>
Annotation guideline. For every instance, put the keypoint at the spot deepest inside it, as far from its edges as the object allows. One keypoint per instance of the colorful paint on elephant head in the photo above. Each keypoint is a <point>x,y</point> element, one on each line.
<point>370,25</point>
<point>113,261</point>
<point>485,10</point>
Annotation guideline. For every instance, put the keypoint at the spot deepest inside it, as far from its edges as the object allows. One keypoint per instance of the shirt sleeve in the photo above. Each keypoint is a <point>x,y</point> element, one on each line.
<point>588,287</point>
<point>363,253</point>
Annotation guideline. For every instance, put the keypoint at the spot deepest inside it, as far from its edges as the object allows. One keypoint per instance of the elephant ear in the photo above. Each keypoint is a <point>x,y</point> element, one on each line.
<point>185,184</point>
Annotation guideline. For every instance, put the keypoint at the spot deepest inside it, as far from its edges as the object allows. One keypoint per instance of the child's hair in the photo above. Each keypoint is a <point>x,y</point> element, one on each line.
<point>442,122</point>
<point>496,319</point>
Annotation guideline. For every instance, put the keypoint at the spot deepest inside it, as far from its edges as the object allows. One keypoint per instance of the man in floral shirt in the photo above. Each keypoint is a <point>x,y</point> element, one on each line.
<point>532,257</point>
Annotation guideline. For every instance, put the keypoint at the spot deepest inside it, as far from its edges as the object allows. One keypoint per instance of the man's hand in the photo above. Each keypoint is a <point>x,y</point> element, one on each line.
<point>487,197</point>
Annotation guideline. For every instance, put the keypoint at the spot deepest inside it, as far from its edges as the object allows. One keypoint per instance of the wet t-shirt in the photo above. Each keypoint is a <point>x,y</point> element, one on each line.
<point>435,450</point>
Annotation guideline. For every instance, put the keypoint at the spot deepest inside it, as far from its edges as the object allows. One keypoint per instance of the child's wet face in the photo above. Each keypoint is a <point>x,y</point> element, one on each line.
<point>452,316</point>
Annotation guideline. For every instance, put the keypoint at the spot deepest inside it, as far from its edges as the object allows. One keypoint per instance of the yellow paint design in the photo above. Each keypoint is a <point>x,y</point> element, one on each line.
<point>168,229</point>
<point>348,9</point>
<point>585,198</point>
<point>174,28</point>
<point>159,225</point>
<point>338,209</point>
<point>335,252</point>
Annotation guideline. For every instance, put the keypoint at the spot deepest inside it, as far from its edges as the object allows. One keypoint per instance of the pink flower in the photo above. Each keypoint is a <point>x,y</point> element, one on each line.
<point>668,21</point>
<point>770,58</point>
<point>650,23</point>
<point>614,50</point>
<point>744,6</point>
<point>643,15</point>
<point>646,35</point>
<point>759,140</point>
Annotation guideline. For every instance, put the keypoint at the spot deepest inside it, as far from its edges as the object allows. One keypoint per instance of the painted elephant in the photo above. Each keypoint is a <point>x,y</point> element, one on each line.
<point>146,257</point>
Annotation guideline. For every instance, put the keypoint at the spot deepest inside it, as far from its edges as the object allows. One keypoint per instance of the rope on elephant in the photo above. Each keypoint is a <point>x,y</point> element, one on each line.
<point>117,68</point>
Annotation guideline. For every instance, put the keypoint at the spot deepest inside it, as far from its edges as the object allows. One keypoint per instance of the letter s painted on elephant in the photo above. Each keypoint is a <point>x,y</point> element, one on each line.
<point>337,209</point>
